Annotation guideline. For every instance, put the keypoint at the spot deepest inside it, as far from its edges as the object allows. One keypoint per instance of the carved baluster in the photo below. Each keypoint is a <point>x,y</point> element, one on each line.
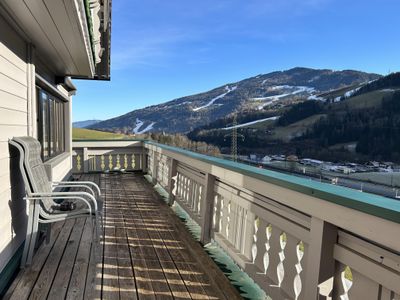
<point>191,200</point>
<point>125,161</point>
<point>216,214</point>
<point>110,162</point>
<point>183,188</point>
<point>228,221</point>
<point>180,182</point>
<point>254,248</point>
<point>280,269</point>
<point>195,195</point>
<point>78,163</point>
<point>199,197</point>
<point>102,163</point>
<point>292,267</point>
<point>186,181</point>
<point>118,164</point>
<point>221,215</point>
<point>260,243</point>
<point>275,249</point>
<point>268,232</point>
<point>302,254</point>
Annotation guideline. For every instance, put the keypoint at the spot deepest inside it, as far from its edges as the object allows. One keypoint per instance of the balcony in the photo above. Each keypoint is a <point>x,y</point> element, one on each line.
<point>296,238</point>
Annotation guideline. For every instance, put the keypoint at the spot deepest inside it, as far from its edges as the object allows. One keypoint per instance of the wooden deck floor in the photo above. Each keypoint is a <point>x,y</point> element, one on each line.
<point>145,252</point>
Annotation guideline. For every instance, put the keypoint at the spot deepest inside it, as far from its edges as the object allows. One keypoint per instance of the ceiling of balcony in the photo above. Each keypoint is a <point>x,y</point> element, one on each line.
<point>59,32</point>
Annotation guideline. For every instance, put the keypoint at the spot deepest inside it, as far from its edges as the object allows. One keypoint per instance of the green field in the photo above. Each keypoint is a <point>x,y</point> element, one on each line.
<point>339,92</point>
<point>368,100</point>
<point>288,132</point>
<point>88,134</point>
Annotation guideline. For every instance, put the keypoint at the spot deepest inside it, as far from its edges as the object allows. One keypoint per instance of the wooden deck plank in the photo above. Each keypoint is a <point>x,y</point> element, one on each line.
<point>45,279</point>
<point>77,284</point>
<point>127,287</point>
<point>94,277</point>
<point>25,280</point>
<point>110,284</point>
<point>61,281</point>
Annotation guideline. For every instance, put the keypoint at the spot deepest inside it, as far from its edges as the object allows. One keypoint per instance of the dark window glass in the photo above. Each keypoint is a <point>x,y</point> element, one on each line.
<point>50,124</point>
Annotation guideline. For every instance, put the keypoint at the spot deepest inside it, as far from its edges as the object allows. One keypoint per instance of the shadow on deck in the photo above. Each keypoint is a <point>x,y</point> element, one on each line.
<point>145,252</point>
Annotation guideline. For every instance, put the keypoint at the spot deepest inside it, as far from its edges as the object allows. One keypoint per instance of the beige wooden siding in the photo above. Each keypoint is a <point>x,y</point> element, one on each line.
<point>13,122</point>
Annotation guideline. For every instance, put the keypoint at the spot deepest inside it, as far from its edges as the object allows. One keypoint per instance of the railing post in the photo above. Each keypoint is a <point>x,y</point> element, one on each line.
<point>320,261</point>
<point>143,161</point>
<point>207,203</point>
<point>155,163</point>
<point>85,160</point>
<point>172,183</point>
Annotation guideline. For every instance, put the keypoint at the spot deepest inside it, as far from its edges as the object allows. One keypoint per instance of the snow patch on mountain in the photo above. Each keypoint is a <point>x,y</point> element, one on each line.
<point>227,89</point>
<point>314,78</point>
<point>251,123</point>
<point>351,93</point>
<point>315,97</point>
<point>139,124</point>
<point>271,99</point>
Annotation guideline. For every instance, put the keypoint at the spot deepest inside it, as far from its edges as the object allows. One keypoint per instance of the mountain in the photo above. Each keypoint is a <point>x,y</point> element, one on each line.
<point>357,123</point>
<point>84,124</point>
<point>261,93</point>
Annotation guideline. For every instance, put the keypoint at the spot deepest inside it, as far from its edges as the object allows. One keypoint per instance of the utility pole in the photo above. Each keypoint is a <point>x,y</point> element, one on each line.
<point>234,137</point>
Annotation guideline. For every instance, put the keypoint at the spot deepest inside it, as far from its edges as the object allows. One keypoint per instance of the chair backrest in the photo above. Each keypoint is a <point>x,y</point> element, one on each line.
<point>36,179</point>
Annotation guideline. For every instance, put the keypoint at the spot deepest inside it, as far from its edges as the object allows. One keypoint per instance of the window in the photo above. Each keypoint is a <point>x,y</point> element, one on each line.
<point>50,124</point>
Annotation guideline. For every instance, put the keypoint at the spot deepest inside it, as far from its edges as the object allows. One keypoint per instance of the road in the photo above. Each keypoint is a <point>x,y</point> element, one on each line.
<point>369,187</point>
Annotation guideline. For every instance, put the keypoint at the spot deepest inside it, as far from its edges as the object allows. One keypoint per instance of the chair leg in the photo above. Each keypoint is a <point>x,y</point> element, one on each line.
<point>28,239</point>
<point>35,225</point>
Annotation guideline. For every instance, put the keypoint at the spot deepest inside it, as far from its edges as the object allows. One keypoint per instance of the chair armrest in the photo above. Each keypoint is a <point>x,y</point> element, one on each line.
<point>36,198</point>
<point>62,195</point>
<point>74,185</point>
<point>79,183</point>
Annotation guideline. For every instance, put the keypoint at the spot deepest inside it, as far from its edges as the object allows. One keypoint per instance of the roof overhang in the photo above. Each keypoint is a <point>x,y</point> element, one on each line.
<point>73,36</point>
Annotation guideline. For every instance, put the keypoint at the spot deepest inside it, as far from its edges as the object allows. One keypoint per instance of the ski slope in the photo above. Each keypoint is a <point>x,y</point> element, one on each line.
<point>271,99</point>
<point>251,123</point>
<point>228,90</point>
<point>139,124</point>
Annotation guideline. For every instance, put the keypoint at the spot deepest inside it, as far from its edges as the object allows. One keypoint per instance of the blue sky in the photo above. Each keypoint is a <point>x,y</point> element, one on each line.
<point>163,50</point>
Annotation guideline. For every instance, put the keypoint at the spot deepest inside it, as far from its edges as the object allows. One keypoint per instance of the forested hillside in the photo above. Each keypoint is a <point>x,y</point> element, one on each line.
<point>362,124</point>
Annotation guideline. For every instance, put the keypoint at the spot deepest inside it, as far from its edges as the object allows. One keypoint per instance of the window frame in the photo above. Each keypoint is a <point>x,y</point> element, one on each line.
<point>51,122</point>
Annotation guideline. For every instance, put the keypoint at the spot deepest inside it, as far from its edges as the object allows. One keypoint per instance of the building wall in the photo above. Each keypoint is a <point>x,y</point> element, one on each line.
<point>13,122</point>
<point>18,62</point>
